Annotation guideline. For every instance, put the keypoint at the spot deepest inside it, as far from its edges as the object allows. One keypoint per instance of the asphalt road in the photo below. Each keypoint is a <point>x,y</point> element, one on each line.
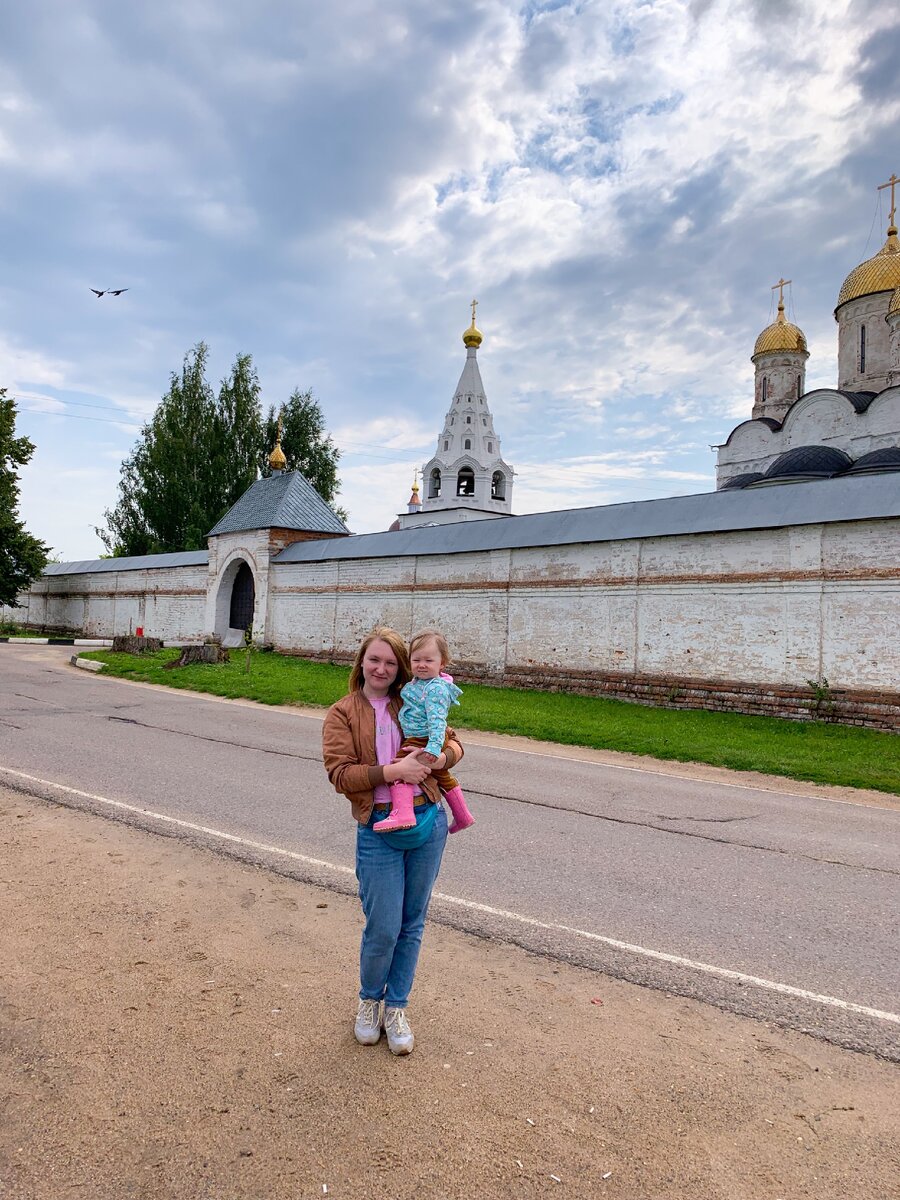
<point>771,903</point>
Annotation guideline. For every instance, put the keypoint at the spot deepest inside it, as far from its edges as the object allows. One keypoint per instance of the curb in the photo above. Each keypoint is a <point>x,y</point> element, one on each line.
<point>100,643</point>
<point>86,664</point>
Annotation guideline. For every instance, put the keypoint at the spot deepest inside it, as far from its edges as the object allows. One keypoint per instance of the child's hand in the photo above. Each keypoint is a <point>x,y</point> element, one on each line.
<point>425,757</point>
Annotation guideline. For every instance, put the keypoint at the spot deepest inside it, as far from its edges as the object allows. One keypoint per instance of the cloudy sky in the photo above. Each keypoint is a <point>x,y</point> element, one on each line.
<point>327,186</point>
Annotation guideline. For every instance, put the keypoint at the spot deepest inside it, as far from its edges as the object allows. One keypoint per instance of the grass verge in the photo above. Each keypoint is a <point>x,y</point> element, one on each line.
<point>813,750</point>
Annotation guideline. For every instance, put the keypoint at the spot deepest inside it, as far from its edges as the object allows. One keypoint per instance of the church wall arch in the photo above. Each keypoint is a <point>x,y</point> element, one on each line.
<point>819,420</point>
<point>882,417</point>
<point>223,590</point>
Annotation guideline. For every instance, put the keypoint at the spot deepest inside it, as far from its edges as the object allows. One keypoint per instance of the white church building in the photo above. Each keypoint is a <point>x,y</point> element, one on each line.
<point>777,589</point>
<point>466,479</point>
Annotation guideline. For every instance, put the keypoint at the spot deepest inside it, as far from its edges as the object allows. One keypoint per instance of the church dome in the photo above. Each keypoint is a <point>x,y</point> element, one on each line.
<point>472,336</point>
<point>878,274</point>
<point>780,335</point>
<point>894,306</point>
<point>809,462</point>
<point>885,459</point>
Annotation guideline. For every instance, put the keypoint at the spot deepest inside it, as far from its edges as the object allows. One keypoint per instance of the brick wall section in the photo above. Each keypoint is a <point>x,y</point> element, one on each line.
<point>735,621</point>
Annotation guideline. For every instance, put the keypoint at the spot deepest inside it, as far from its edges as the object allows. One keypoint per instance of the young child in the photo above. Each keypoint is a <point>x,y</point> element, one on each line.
<point>423,718</point>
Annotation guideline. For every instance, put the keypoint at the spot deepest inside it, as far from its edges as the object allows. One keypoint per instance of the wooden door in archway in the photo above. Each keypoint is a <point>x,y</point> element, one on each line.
<point>243,599</point>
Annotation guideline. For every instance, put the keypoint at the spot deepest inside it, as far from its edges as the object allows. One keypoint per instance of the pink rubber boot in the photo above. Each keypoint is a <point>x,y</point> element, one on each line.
<point>462,818</point>
<point>401,815</point>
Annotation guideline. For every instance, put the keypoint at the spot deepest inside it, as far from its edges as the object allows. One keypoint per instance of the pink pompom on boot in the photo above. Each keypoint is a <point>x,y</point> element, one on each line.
<point>401,815</point>
<point>462,818</point>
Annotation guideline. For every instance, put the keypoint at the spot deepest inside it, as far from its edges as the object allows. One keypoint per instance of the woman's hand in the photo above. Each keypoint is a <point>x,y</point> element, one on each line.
<point>410,769</point>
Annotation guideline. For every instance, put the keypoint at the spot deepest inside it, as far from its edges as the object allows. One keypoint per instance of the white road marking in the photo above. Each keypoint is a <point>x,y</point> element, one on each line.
<point>771,985</point>
<point>164,818</point>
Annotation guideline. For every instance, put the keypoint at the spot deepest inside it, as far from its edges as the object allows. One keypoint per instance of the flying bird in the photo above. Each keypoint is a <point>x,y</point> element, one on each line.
<point>118,291</point>
<point>98,294</point>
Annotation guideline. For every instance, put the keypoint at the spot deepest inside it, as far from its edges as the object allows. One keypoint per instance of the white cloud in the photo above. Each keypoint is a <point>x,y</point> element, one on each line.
<point>326,188</point>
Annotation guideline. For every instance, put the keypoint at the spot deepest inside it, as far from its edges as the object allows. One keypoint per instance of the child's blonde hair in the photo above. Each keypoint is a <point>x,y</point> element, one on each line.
<point>431,635</point>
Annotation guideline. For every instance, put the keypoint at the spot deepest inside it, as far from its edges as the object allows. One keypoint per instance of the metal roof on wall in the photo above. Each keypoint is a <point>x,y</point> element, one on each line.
<point>140,562</point>
<point>808,503</point>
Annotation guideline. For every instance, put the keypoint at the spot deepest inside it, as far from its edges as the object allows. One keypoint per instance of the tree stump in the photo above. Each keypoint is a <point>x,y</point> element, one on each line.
<point>210,652</point>
<point>129,644</point>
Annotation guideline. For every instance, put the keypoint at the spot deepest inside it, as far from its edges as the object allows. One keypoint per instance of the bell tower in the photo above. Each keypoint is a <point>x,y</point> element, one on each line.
<point>466,479</point>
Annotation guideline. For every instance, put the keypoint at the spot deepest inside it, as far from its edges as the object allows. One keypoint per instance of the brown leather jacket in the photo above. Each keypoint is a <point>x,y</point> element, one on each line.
<point>348,748</point>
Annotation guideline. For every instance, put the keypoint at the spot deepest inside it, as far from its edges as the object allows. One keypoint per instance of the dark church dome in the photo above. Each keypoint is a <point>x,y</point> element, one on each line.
<point>885,459</point>
<point>741,481</point>
<point>809,462</point>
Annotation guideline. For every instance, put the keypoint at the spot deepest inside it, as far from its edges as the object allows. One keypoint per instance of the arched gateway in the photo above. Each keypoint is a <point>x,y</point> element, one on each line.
<point>243,598</point>
<point>275,512</point>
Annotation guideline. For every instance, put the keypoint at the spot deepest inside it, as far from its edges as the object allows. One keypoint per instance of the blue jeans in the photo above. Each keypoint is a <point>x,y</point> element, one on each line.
<point>395,889</point>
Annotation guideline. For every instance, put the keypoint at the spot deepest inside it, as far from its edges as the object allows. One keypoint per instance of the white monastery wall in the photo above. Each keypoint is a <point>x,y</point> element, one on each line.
<point>778,606</point>
<point>169,603</point>
<point>759,609</point>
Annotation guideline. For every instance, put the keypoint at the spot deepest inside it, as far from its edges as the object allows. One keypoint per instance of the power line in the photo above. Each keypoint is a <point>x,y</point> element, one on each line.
<point>41,412</point>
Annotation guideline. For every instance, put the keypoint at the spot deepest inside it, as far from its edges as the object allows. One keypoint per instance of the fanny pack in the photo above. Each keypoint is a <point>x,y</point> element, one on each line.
<point>417,835</point>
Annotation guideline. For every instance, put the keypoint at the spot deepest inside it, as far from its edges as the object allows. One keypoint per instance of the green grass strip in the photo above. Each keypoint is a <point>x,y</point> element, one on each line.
<point>812,750</point>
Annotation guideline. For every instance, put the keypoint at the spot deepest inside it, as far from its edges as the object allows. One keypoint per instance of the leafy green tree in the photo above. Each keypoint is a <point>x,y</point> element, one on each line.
<point>240,431</point>
<point>306,445</point>
<point>169,490</point>
<point>22,557</point>
<point>199,453</point>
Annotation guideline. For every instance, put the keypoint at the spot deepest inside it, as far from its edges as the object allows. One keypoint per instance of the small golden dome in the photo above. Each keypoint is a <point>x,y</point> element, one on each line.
<point>472,336</point>
<point>780,335</point>
<point>894,306</point>
<point>277,461</point>
<point>878,274</point>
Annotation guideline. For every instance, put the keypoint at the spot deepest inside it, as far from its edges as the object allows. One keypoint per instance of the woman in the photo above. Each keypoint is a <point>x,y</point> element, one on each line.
<point>396,871</point>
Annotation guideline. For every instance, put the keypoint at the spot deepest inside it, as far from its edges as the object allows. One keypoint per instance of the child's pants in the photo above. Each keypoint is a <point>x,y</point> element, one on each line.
<point>445,781</point>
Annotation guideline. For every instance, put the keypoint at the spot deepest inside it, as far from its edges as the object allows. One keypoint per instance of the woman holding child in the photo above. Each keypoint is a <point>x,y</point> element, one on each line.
<point>397,865</point>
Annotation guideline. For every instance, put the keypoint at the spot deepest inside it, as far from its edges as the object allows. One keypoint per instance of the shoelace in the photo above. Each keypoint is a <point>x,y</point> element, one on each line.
<point>397,1023</point>
<point>368,1013</point>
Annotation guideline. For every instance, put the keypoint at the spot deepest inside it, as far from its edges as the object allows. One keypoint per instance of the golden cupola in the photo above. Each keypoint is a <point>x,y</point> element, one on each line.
<point>782,335</point>
<point>878,274</point>
<point>472,338</point>
<point>277,460</point>
<point>894,306</point>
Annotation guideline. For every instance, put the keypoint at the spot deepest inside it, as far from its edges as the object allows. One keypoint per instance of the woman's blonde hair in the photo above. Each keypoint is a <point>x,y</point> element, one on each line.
<point>431,635</point>
<point>397,644</point>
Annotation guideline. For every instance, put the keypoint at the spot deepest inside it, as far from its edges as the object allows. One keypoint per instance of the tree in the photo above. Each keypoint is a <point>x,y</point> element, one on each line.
<point>199,453</point>
<point>306,445</point>
<point>240,430</point>
<point>22,557</point>
<point>169,492</point>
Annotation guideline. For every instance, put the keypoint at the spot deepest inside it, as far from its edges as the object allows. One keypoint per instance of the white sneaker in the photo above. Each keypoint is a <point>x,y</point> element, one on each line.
<point>367,1029</point>
<point>399,1035</point>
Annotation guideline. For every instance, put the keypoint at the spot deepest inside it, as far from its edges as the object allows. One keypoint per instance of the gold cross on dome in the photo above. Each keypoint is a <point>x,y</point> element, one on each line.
<point>781,285</point>
<point>891,183</point>
<point>474,306</point>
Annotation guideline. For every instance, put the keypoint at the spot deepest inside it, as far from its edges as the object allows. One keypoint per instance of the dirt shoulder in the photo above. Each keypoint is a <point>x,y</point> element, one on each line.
<point>174,1024</point>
